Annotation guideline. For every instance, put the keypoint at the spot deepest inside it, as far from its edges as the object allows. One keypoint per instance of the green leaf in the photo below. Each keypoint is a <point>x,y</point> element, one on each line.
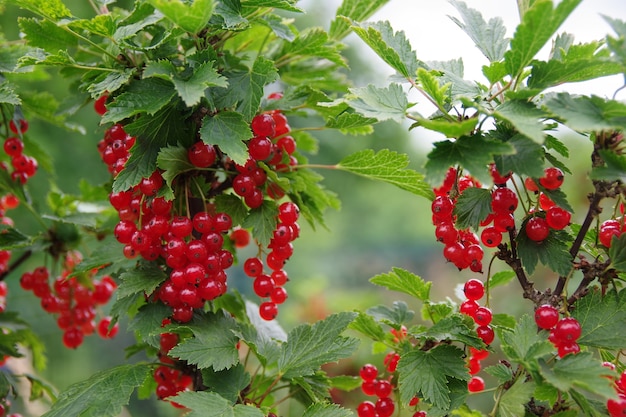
<point>453,328</point>
<point>11,238</point>
<point>431,85</point>
<point>558,196</point>
<point>192,17</point>
<point>100,25</point>
<point>327,410</point>
<point>192,90</point>
<point>579,371</point>
<point>173,160</point>
<point>601,318</point>
<point>310,346</point>
<point>214,344</point>
<point>351,124</point>
<point>378,103</point>
<point>587,114</point>
<point>527,159</point>
<point>246,88</point>
<point>500,278</point>
<point>357,10</point>
<point>103,394</point>
<point>148,322</point>
<point>228,383</point>
<point>52,9</point>
<point>472,206</point>
<point>396,316</point>
<point>404,281</point>
<point>579,63</point>
<point>614,167</point>
<point>46,35</point>
<point>288,5</point>
<point>435,366</point>
<point>538,25</point>
<point>513,401</point>
<point>311,42</point>
<point>346,382</point>
<point>211,404</point>
<point>109,82</point>
<point>387,166</point>
<point>143,96</point>
<point>450,128</point>
<point>232,204</point>
<point>262,220</point>
<point>489,38</point>
<point>143,279</point>
<point>524,116</point>
<point>502,372</point>
<point>393,48</point>
<point>473,153</point>
<point>8,94</point>
<point>368,326</point>
<point>228,130</point>
<point>523,344</point>
<point>551,252</point>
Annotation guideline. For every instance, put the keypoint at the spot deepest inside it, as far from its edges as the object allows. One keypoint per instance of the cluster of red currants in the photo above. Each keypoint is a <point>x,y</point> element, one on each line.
<point>476,383</point>
<point>169,377</point>
<point>73,300</point>
<point>281,249</point>
<point>551,216</point>
<point>5,406</point>
<point>114,148</point>
<point>617,406</point>
<point>24,166</point>
<point>378,387</point>
<point>564,332</point>
<point>610,228</point>
<point>461,246</point>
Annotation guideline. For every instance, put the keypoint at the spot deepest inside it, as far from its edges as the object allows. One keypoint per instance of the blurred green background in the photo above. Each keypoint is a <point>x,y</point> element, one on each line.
<point>378,227</point>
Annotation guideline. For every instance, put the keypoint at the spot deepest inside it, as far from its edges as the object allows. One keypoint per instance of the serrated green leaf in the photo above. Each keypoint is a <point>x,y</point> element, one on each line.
<point>143,96</point>
<point>143,279</point>
<point>148,322</point>
<point>230,14</point>
<point>357,10</point>
<point>100,25</point>
<point>465,411</point>
<point>601,317</point>
<point>513,401</point>
<point>524,116</point>
<point>173,161</point>
<point>557,196</point>
<point>453,328</point>
<point>500,278</point>
<point>404,281</point>
<point>228,130</point>
<point>546,392</point>
<point>108,255</point>
<point>489,37</point>
<point>393,48</point>
<point>579,371</point>
<point>39,388</point>
<point>262,220</point>
<point>551,252</point>
<point>494,72</point>
<point>579,63</point>
<point>431,85</point>
<point>103,394</point>
<point>46,35</point>
<point>231,204</point>
<point>379,103</point>
<point>351,124</point>
<point>109,82</point>
<point>473,153</point>
<point>502,372</point>
<point>306,191</point>
<point>311,42</point>
<point>523,344</point>
<point>504,320</point>
<point>387,166</point>
<point>526,160</point>
<point>395,316</point>
<point>365,324</point>
<point>52,9</point>
<point>228,383</point>
<point>288,5</point>
<point>211,404</point>
<point>472,207</point>
<point>11,238</point>
<point>617,252</point>
<point>450,128</point>
<point>214,344</point>
<point>435,367</point>
<point>246,88</point>
<point>437,311</point>
<point>327,410</point>
<point>346,382</point>
<point>7,92</point>
<point>588,406</point>
<point>279,26</point>
<point>192,17</point>
<point>538,25</point>
<point>310,346</point>
<point>587,114</point>
<point>192,90</point>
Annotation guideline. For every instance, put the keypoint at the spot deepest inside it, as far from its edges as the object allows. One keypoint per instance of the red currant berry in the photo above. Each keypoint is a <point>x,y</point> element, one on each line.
<point>442,206</point>
<point>474,289</point>
<point>476,384</point>
<point>491,237</point>
<point>546,316</point>
<point>483,316</point>
<point>530,185</point>
<point>552,178</point>
<point>383,388</point>
<point>368,372</point>
<point>100,104</point>
<point>468,307</point>
<point>617,407</point>
<point>558,218</point>
<point>21,129</point>
<point>202,155</point>
<point>268,310</point>
<point>105,330</point>
<point>498,179</point>
<point>366,409</point>
<point>260,148</point>
<point>503,200</point>
<point>13,146</point>
<point>567,330</point>
<point>73,337</point>
<point>369,387</point>
<point>385,407</point>
<point>537,229</point>
<point>567,348</point>
<point>486,334</point>
<point>263,125</point>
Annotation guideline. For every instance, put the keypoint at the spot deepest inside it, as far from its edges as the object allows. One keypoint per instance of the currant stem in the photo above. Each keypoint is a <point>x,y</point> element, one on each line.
<point>15,264</point>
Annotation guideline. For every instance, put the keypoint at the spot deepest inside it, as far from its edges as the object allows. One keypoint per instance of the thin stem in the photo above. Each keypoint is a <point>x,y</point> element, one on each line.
<point>268,391</point>
<point>429,98</point>
<point>16,264</point>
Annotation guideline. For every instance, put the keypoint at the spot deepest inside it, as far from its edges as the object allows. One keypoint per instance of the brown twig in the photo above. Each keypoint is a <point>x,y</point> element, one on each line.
<point>15,264</point>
